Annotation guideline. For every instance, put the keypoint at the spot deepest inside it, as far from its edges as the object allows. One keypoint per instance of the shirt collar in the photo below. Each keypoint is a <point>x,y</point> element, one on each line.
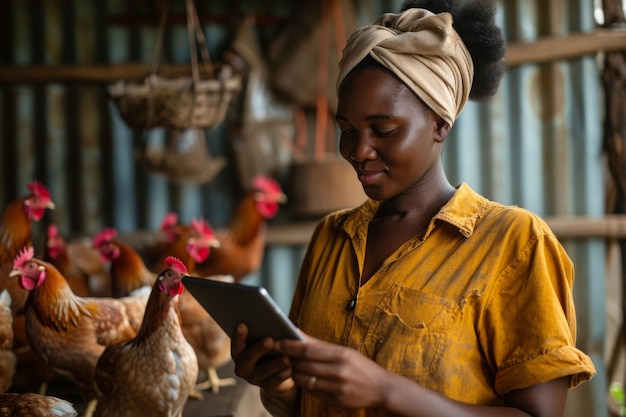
<point>462,211</point>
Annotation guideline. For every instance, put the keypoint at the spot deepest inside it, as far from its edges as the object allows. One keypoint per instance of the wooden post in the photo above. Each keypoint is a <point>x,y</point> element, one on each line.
<point>614,81</point>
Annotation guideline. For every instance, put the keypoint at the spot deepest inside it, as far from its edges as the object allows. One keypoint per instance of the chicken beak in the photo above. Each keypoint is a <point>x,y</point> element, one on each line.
<point>50,205</point>
<point>281,198</point>
<point>15,273</point>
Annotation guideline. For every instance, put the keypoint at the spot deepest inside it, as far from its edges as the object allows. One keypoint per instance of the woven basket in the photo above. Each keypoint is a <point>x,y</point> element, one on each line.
<point>176,104</point>
<point>180,103</point>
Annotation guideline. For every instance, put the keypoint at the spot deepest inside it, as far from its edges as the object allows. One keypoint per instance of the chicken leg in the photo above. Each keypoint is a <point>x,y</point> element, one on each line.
<point>214,382</point>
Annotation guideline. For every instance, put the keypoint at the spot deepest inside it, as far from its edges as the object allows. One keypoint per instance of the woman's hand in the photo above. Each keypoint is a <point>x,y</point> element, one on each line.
<point>272,374</point>
<point>337,373</point>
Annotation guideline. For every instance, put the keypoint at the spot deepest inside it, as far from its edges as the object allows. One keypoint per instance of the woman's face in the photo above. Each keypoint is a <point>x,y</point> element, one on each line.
<point>392,140</point>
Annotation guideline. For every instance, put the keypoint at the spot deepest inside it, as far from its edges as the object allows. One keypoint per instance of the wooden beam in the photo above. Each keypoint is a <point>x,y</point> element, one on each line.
<point>543,50</point>
<point>565,228</point>
<point>181,20</point>
<point>555,48</point>
<point>104,73</point>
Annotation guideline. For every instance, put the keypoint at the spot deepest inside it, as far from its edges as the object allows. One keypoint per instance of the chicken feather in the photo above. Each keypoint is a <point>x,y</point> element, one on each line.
<point>159,354</point>
<point>242,243</point>
<point>68,331</point>
<point>34,405</point>
<point>8,361</point>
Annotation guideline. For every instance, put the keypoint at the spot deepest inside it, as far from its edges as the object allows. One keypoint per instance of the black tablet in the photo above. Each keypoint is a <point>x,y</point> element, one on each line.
<point>231,303</point>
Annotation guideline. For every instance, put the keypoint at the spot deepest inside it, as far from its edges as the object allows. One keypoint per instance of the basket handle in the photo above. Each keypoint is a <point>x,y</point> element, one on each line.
<point>156,54</point>
<point>196,38</point>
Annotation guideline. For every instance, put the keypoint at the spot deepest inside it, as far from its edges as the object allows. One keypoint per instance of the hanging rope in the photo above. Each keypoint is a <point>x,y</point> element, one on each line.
<point>330,9</point>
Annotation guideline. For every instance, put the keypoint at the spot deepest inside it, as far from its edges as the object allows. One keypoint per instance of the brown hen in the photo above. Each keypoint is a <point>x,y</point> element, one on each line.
<point>16,232</point>
<point>194,243</point>
<point>68,331</point>
<point>127,268</point>
<point>34,405</point>
<point>8,361</point>
<point>56,253</point>
<point>190,244</point>
<point>242,244</point>
<point>16,223</point>
<point>154,373</point>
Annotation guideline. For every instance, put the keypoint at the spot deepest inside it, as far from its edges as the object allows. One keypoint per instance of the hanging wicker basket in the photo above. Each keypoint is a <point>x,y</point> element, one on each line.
<point>179,103</point>
<point>185,158</point>
<point>176,104</point>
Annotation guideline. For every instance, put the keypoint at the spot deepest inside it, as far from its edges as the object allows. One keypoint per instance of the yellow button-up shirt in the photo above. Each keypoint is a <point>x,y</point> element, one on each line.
<point>479,306</point>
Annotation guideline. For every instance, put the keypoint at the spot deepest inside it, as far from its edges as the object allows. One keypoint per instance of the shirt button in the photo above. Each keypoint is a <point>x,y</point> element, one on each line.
<point>351,304</point>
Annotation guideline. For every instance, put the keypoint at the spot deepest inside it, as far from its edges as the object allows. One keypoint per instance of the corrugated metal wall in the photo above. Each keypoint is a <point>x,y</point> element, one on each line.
<point>537,145</point>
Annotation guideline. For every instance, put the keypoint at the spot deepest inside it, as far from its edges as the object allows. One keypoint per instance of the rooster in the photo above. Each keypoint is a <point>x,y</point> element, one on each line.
<point>68,331</point>
<point>154,373</point>
<point>242,244</point>
<point>16,232</point>
<point>8,361</point>
<point>34,405</point>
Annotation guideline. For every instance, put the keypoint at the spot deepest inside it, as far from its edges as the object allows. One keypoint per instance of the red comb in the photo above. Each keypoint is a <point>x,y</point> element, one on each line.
<point>106,235</point>
<point>39,190</point>
<point>53,231</point>
<point>176,264</point>
<point>170,219</point>
<point>25,255</point>
<point>266,184</point>
<point>202,227</point>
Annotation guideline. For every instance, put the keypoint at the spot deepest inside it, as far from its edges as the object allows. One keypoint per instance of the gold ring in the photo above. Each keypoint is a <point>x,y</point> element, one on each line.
<point>311,384</point>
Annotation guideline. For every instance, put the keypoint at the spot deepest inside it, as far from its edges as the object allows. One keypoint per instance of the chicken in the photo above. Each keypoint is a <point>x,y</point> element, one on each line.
<point>21,370</point>
<point>194,243</point>
<point>56,253</point>
<point>16,232</point>
<point>68,331</point>
<point>127,268</point>
<point>34,405</point>
<point>79,262</point>
<point>242,245</point>
<point>16,223</point>
<point>8,361</point>
<point>209,341</point>
<point>154,373</point>
<point>190,244</point>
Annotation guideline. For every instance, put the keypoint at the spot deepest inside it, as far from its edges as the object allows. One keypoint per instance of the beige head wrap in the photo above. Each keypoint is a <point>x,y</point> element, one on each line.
<point>424,51</point>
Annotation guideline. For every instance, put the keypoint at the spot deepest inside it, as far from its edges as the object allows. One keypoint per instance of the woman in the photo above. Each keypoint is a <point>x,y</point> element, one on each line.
<point>428,299</point>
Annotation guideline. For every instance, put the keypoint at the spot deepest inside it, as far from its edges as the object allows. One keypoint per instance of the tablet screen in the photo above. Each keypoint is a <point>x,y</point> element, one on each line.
<point>231,303</point>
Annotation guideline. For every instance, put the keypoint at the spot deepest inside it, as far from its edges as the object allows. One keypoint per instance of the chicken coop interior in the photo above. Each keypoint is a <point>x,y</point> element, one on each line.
<point>142,118</point>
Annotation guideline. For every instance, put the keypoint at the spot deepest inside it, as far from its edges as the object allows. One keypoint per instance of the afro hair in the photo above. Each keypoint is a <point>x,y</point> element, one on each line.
<point>474,22</point>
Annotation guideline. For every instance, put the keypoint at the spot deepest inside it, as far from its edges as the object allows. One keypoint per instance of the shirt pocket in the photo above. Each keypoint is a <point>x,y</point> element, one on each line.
<point>410,331</point>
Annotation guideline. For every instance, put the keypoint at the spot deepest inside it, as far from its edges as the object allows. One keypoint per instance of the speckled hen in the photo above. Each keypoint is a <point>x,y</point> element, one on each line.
<point>153,374</point>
